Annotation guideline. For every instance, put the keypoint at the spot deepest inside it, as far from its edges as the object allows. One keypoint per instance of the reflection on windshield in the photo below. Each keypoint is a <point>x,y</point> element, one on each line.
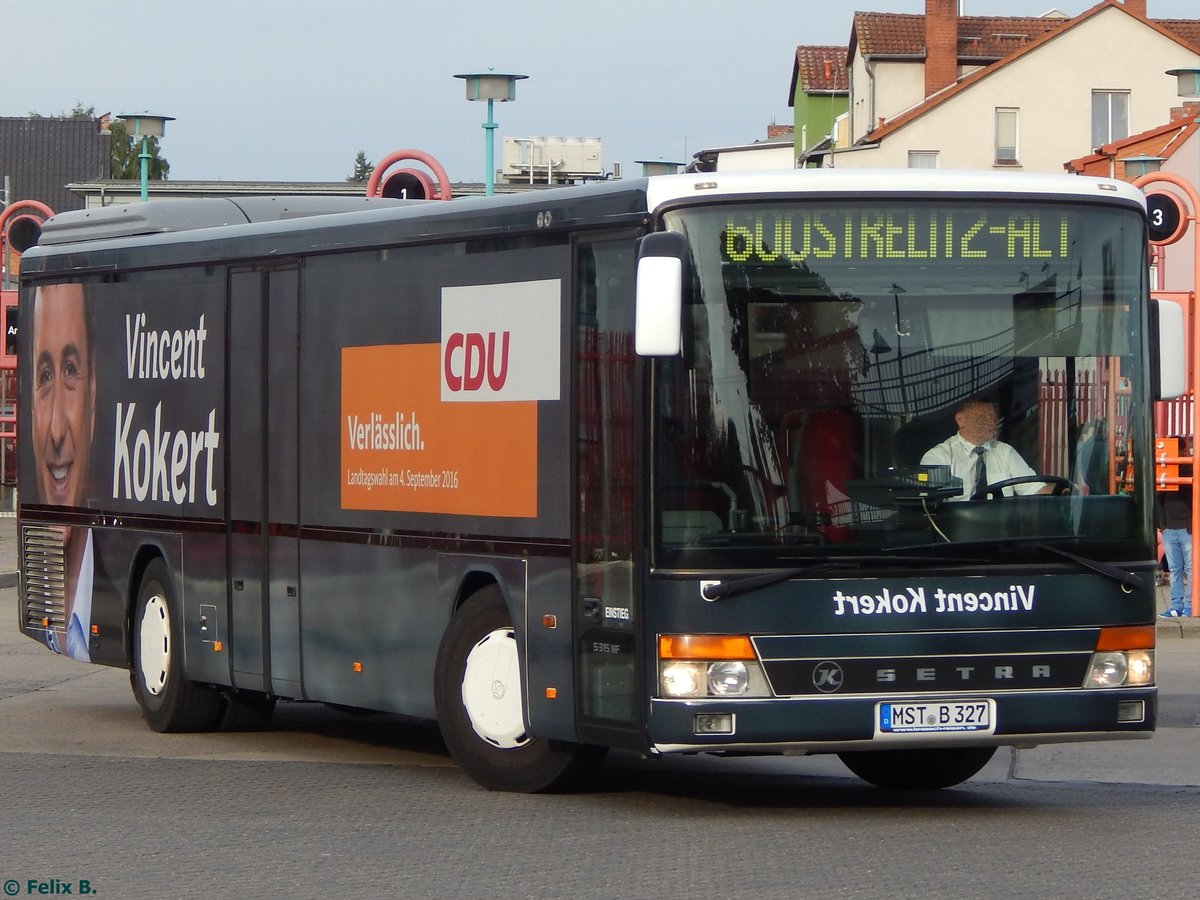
<point>815,388</point>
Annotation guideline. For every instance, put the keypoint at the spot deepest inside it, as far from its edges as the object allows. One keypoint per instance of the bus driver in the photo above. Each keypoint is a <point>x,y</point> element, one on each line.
<point>976,456</point>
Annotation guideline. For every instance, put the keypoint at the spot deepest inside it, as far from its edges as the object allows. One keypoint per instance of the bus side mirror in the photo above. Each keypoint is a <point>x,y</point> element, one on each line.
<point>658,305</point>
<point>1168,356</point>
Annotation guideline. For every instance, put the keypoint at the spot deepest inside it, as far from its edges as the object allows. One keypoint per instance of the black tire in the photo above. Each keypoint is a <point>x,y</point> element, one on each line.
<point>484,731</point>
<point>917,770</point>
<point>169,702</point>
<point>247,711</point>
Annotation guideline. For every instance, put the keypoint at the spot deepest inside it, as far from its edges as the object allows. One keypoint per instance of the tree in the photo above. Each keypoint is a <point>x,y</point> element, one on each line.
<point>362,169</point>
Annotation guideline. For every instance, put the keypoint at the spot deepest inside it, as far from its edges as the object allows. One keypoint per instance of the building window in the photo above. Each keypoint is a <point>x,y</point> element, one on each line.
<point>1110,117</point>
<point>1006,136</point>
<point>922,159</point>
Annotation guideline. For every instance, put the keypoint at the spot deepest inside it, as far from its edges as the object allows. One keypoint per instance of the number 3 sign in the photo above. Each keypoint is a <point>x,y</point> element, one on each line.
<point>1167,217</point>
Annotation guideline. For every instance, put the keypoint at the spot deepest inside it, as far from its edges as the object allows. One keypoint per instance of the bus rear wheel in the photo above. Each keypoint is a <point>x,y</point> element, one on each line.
<point>917,770</point>
<point>168,700</point>
<point>480,706</point>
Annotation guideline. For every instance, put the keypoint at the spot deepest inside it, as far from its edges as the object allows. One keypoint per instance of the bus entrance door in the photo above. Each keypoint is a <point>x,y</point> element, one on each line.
<point>264,611</point>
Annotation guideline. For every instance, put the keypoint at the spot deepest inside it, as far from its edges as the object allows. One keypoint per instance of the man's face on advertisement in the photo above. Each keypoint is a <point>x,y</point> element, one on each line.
<point>64,392</point>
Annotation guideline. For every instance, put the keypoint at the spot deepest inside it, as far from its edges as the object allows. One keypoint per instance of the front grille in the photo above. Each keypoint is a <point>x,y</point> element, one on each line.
<point>940,674</point>
<point>926,662</point>
<point>45,580</point>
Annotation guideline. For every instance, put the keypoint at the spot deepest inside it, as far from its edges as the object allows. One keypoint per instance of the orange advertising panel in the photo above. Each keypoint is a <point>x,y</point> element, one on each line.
<point>403,449</point>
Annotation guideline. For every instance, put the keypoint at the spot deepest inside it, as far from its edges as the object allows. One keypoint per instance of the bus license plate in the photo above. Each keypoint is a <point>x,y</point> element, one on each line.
<point>934,716</point>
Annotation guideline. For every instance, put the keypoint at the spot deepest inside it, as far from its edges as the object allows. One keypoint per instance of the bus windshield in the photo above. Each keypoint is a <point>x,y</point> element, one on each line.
<point>837,358</point>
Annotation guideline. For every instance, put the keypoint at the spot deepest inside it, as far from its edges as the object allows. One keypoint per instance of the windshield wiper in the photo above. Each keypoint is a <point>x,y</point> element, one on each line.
<point>1126,579</point>
<point>722,589</point>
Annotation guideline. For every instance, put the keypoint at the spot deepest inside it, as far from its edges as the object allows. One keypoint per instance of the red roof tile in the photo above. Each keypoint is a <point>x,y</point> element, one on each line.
<point>1188,29</point>
<point>979,37</point>
<point>823,69</point>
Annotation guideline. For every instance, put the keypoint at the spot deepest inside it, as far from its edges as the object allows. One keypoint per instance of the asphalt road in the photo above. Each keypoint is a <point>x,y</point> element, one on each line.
<point>328,804</point>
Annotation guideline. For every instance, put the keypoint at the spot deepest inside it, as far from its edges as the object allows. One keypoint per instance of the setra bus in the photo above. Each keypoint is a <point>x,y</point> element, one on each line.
<point>645,464</point>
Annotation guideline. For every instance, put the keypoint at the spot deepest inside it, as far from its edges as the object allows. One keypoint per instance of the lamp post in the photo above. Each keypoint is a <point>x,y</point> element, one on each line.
<point>145,126</point>
<point>1137,166</point>
<point>1189,87</point>
<point>491,86</point>
<point>652,167</point>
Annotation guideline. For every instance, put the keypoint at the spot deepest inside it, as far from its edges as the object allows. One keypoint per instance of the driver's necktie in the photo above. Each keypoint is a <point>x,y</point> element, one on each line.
<point>981,481</point>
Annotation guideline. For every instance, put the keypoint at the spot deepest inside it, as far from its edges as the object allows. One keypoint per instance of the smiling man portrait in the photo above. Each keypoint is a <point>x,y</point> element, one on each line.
<point>63,421</point>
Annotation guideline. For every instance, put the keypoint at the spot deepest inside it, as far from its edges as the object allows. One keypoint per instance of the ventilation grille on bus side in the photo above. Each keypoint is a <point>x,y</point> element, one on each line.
<point>45,577</point>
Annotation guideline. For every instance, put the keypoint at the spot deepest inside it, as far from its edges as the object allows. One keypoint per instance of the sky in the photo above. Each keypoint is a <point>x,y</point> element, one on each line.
<point>291,90</point>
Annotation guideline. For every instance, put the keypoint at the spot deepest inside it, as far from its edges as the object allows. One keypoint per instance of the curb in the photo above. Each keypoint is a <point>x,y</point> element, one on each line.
<point>1178,628</point>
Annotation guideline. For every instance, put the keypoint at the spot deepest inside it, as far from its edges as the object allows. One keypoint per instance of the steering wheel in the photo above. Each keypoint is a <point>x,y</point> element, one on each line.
<point>1061,485</point>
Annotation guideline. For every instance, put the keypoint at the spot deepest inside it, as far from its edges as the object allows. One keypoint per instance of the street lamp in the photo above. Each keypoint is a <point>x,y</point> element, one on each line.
<point>145,126</point>
<point>491,86</point>
<point>652,167</point>
<point>1188,81</point>
<point>1137,166</point>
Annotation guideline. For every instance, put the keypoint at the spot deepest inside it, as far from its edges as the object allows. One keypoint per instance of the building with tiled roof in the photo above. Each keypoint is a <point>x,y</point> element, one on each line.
<point>39,155</point>
<point>819,93</point>
<point>1176,146</point>
<point>1162,142</point>
<point>948,91</point>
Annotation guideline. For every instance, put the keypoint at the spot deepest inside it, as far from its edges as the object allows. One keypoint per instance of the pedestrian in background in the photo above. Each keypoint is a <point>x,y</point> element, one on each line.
<point>1173,515</point>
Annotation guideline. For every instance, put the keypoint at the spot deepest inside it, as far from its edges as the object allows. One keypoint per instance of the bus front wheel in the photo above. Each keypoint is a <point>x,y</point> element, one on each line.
<point>480,706</point>
<point>917,770</point>
<point>169,701</point>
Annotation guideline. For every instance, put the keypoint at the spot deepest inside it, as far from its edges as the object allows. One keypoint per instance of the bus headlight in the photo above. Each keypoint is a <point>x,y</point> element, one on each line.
<point>697,666</point>
<point>1124,657</point>
<point>682,679</point>
<point>1121,668</point>
<point>1108,670</point>
<point>726,678</point>
<point>1140,666</point>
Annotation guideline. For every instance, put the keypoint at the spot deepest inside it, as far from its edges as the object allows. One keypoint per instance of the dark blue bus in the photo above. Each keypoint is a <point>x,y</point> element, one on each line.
<point>674,465</point>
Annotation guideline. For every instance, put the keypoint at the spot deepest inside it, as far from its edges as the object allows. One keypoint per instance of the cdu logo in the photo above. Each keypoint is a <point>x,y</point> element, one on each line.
<point>502,343</point>
<point>827,677</point>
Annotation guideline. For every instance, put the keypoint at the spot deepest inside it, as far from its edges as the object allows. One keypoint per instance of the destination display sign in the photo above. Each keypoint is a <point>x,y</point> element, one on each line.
<point>856,233</point>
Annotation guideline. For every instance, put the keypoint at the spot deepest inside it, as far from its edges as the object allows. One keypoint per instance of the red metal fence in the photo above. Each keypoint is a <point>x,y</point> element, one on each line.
<point>1101,395</point>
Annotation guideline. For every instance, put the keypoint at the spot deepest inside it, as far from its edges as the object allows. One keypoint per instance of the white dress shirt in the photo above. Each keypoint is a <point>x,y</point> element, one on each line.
<point>1000,462</point>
